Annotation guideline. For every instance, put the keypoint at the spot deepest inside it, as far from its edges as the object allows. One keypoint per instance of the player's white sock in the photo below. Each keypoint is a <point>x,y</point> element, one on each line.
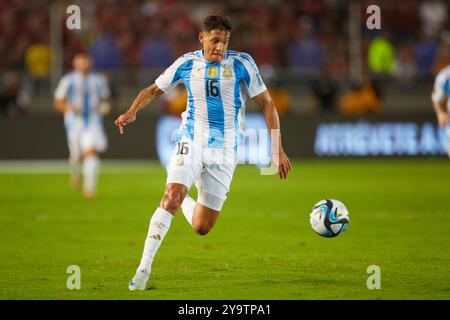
<point>159,225</point>
<point>91,166</point>
<point>188,206</point>
<point>75,173</point>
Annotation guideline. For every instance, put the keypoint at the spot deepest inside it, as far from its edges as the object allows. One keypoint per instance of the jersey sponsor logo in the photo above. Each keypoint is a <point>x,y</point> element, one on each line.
<point>213,71</point>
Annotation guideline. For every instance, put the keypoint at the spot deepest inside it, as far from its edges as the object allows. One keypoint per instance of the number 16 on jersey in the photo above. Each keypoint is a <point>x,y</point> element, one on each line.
<point>212,88</point>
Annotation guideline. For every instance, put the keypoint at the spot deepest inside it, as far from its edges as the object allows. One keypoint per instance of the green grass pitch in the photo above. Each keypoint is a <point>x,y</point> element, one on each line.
<point>262,246</point>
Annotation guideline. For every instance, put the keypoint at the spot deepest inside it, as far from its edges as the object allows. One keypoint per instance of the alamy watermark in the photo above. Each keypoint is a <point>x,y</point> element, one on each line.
<point>374,280</point>
<point>74,280</point>
<point>73,21</point>
<point>374,20</point>
<point>252,146</point>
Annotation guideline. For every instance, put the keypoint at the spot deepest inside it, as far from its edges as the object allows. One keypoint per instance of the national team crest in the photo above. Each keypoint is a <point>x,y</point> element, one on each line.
<point>227,73</point>
<point>213,71</point>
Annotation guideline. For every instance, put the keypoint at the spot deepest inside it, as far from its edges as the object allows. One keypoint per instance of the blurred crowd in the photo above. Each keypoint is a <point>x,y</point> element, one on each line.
<point>307,37</point>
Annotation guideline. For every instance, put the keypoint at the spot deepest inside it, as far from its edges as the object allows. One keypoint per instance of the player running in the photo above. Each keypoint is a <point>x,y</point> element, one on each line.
<point>218,81</point>
<point>82,97</point>
<point>441,101</point>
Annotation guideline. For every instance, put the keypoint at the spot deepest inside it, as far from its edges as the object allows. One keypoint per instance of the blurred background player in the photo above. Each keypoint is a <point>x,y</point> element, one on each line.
<point>218,82</point>
<point>441,101</point>
<point>82,96</point>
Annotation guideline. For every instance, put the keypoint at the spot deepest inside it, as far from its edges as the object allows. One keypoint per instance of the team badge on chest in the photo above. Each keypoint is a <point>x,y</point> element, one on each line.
<point>213,71</point>
<point>227,73</point>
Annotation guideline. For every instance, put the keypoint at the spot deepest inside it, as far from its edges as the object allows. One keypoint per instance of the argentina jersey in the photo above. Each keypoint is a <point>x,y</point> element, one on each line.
<point>441,89</point>
<point>217,92</point>
<point>85,94</point>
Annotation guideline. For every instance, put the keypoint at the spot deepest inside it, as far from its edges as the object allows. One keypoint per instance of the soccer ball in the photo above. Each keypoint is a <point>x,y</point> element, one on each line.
<point>329,218</point>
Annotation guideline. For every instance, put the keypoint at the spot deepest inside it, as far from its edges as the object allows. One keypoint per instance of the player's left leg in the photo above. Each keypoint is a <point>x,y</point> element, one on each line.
<point>203,213</point>
<point>199,216</point>
<point>91,165</point>
<point>204,219</point>
<point>213,187</point>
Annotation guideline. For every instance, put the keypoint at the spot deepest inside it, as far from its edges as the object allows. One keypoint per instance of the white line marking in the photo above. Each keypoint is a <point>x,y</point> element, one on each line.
<point>62,166</point>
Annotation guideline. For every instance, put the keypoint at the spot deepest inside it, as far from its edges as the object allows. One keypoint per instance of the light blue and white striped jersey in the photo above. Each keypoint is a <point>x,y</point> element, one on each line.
<point>217,92</point>
<point>442,87</point>
<point>85,93</point>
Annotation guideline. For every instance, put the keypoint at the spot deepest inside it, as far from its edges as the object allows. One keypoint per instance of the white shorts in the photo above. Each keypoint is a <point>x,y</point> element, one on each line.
<point>81,139</point>
<point>211,169</point>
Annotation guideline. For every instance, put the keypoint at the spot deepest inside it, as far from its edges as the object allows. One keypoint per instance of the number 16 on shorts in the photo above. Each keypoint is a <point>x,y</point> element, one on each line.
<point>182,148</point>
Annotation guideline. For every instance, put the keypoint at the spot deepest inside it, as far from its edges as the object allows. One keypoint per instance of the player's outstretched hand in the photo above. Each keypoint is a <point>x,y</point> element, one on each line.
<point>70,108</point>
<point>124,119</point>
<point>443,119</point>
<point>284,165</point>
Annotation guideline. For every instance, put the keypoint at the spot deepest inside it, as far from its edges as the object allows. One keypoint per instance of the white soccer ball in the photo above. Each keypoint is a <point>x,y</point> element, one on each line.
<point>329,218</point>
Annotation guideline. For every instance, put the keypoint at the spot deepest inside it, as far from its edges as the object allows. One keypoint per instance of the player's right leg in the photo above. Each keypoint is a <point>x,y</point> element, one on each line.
<point>75,171</point>
<point>213,187</point>
<point>182,173</point>
<point>75,157</point>
<point>159,225</point>
<point>93,141</point>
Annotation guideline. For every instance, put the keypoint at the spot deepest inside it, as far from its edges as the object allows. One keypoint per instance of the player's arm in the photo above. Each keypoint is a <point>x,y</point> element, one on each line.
<point>441,112</point>
<point>264,100</point>
<point>62,105</point>
<point>104,107</point>
<point>439,98</point>
<point>144,98</point>
<point>105,95</point>
<point>60,101</point>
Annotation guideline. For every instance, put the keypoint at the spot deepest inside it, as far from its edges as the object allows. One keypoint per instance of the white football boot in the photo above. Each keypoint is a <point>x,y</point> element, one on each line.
<point>139,281</point>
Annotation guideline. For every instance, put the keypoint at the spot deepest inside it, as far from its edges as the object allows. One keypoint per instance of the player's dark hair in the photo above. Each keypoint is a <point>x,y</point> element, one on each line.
<point>216,22</point>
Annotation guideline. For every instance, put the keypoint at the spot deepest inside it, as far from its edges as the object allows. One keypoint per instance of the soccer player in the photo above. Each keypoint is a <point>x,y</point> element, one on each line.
<point>82,96</point>
<point>441,101</point>
<point>218,82</point>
